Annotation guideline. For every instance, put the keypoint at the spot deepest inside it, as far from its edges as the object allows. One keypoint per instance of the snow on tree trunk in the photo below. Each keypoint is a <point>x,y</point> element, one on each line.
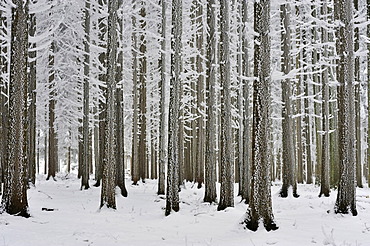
<point>245,177</point>
<point>289,172</point>
<point>85,128</point>
<point>108,198</point>
<point>368,94</point>
<point>358,101</point>
<point>325,162</point>
<point>227,160</point>
<point>260,206</point>
<point>172,196</point>
<point>142,60</point>
<point>346,199</point>
<point>135,176</point>
<point>200,94</point>
<point>14,199</point>
<point>53,149</point>
<point>32,106</point>
<point>163,121</point>
<point>210,151</point>
<point>120,159</point>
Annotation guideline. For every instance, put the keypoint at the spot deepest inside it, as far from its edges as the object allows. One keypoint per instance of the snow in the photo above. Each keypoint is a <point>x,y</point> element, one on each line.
<point>139,219</point>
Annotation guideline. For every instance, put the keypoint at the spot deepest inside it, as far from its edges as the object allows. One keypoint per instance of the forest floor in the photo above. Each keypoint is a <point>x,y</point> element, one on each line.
<point>75,219</point>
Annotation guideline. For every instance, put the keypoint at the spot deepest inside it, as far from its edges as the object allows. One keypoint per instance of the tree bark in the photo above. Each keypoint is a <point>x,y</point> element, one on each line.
<point>32,107</point>
<point>86,91</point>
<point>227,160</point>
<point>358,102</point>
<point>245,176</point>
<point>172,196</point>
<point>163,121</point>
<point>14,198</point>
<point>53,151</point>
<point>368,94</point>
<point>325,161</point>
<point>289,172</point>
<point>260,206</point>
<point>108,198</point>
<point>346,199</point>
<point>135,175</point>
<point>210,151</point>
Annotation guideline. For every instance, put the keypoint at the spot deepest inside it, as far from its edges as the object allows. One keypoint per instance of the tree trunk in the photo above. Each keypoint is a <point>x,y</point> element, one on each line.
<point>210,152</point>
<point>53,151</point>
<point>32,107</point>
<point>14,199</point>
<point>108,198</point>
<point>163,121</point>
<point>172,196</point>
<point>289,172</point>
<point>120,131</point>
<point>260,206</point>
<point>227,160</point>
<point>245,177</point>
<point>85,128</point>
<point>135,175</point>
<point>358,102</point>
<point>346,199</point>
<point>200,95</point>
<point>325,162</point>
<point>142,158</point>
<point>368,94</point>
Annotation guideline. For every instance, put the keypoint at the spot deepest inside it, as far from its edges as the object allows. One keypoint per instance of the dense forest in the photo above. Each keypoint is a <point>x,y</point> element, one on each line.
<point>218,91</point>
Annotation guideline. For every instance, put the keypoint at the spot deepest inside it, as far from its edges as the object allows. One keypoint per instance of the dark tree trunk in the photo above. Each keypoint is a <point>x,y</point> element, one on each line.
<point>102,104</point>
<point>14,199</point>
<point>162,130</point>
<point>172,196</point>
<point>108,198</point>
<point>325,162</point>
<point>210,157</point>
<point>143,155</point>
<point>289,172</point>
<point>53,150</point>
<point>86,91</point>
<point>227,160</point>
<point>32,107</point>
<point>245,177</point>
<point>260,207</point>
<point>346,199</point>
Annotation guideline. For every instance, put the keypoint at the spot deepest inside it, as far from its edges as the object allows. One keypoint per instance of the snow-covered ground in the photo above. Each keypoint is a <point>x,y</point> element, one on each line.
<point>139,219</point>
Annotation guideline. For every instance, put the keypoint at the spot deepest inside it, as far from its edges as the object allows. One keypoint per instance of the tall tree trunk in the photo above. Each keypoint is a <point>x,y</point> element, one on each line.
<point>289,172</point>
<point>200,94</point>
<point>53,151</point>
<point>358,102</point>
<point>32,107</point>
<point>346,199</point>
<point>172,196</point>
<point>299,111</point>
<point>210,152</point>
<point>120,131</point>
<point>227,160</point>
<point>316,92</point>
<point>163,121</point>
<point>368,94</point>
<point>260,206</point>
<point>3,99</point>
<point>108,198</point>
<point>325,161</point>
<point>135,174</point>
<point>142,158</point>
<point>14,199</point>
<point>245,177</point>
<point>86,91</point>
